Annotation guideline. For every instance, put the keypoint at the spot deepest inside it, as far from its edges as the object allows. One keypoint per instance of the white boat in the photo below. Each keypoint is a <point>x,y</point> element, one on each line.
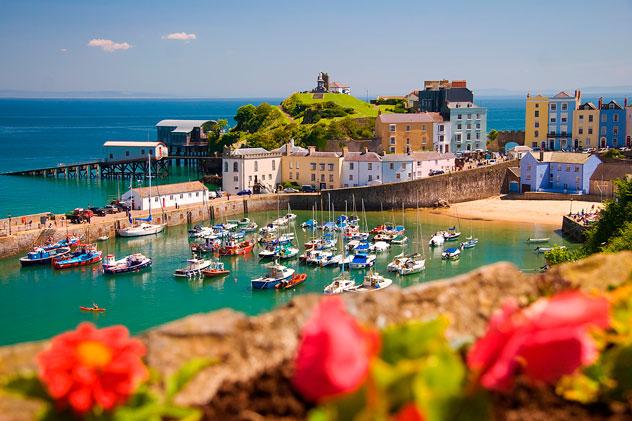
<point>414,264</point>
<point>545,249</point>
<point>379,247</point>
<point>290,216</point>
<point>397,262</point>
<point>201,232</point>
<point>132,263</point>
<point>330,259</point>
<point>538,240</point>
<point>469,243</point>
<point>362,261</point>
<point>194,268</point>
<point>103,238</point>
<point>351,245</point>
<point>452,253</point>
<point>280,222</point>
<point>373,281</point>
<point>229,226</point>
<point>437,240</point>
<point>316,256</point>
<point>341,283</point>
<point>272,277</point>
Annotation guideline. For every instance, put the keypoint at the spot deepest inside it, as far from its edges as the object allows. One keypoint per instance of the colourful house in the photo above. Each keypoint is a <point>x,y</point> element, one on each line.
<point>628,125</point>
<point>586,126</point>
<point>468,127</point>
<point>322,170</point>
<point>611,125</point>
<point>402,133</point>
<point>536,121</point>
<point>560,124</point>
<point>559,172</point>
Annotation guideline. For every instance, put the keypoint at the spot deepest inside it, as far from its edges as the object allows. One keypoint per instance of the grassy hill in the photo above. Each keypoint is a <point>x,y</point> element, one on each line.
<point>361,108</point>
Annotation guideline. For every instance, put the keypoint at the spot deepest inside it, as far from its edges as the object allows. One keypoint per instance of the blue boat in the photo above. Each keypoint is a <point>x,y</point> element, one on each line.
<point>39,256</point>
<point>66,242</point>
<point>275,275</point>
<point>87,255</point>
<point>363,247</point>
<point>362,261</point>
<point>310,224</point>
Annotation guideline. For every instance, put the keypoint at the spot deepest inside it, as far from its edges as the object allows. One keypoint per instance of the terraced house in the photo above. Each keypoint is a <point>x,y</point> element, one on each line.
<point>402,133</point>
<point>468,127</point>
<point>361,168</point>
<point>536,121</point>
<point>322,170</point>
<point>586,126</point>
<point>611,124</point>
<point>561,110</point>
<point>559,172</point>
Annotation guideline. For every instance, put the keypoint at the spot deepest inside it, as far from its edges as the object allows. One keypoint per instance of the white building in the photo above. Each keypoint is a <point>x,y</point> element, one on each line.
<point>441,136</point>
<point>361,168</point>
<point>339,88</point>
<point>250,168</point>
<point>425,162</point>
<point>167,195</point>
<point>518,152</point>
<point>397,168</point>
<point>126,150</point>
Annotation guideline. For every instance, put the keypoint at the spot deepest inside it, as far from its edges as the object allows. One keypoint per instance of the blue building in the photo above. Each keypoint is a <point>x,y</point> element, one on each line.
<point>397,167</point>
<point>468,127</point>
<point>561,109</point>
<point>559,172</point>
<point>611,125</point>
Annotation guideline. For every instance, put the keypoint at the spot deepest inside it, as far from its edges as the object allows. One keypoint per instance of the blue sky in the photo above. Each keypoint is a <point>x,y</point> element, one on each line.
<point>268,48</point>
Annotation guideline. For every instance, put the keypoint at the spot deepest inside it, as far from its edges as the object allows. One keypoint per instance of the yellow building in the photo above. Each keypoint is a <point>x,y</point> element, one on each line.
<point>586,126</point>
<point>536,121</point>
<point>403,133</point>
<point>322,170</point>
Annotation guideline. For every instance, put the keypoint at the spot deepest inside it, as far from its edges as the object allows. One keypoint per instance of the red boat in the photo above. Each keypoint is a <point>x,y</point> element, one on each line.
<point>296,280</point>
<point>378,230</point>
<point>233,248</point>
<point>216,269</point>
<point>85,255</point>
<point>95,308</point>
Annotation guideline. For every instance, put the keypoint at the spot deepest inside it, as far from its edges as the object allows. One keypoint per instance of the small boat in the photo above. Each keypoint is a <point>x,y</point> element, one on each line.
<point>330,259</point>
<point>415,264</point>
<point>351,245</point>
<point>228,226</point>
<point>316,256</point>
<point>362,247</point>
<point>251,227</point>
<point>268,229</point>
<point>215,269</point>
<point>272,277</point>
<point>83,256</point>
<point>452,234</point>
<point>199,231</point>
<point>341,283</point>
<point>538,240</point>
<point>437,240</point>
<point>268,252</point>
<point>280,222</point>
<point>209,246</point>
<point>39,256</point>
<point>329,226</point>
<point>545,249</point>
<point>94,308</point>
<point>310,224</point>
<point>66,242</point>
<point>140,230</point>
<point>452,253</point>
<point>233,248</point>
<point>244,222</point>
<point>194,268</point>
<point>362,236</point>
<point>286,252</point>
<point>320,244</point>
<point>399,240</point>
<point>384,236</point>
<point>132,263</point>
<point>346,261</point>
<point>362,261</point>
<point>471,243</point>
<point>397,263</point>
<point>294,281</point>
<point>373,281</point>
<point>290,216</point>
<point>103,238</point>
<point>379,247</point>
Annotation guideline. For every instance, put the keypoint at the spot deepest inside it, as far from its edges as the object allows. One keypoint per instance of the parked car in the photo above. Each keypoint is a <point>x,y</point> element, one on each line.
<point>308,188</point>
<point>98,211</point>
<point>436,172</point>
<point>111,209</point>
<point>246,192</point>
<point>122,206</point>
<point>491,161</point>
<point>79,216</point>
<point>290,190</point>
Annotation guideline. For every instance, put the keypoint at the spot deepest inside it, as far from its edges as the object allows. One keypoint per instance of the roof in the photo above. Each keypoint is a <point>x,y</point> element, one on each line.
<point>562,157</point>
<point>362,157</point>
<point>397,157</point>
<point>522,148</point>
<point>176,188</point>
<point>562,95</point>
<point>606,106</point>
<point>131,144</point>
<point>464,105</point>
<point>294,150</point>
<point>587,106</point>
<point>411,118</point>
<point>431,156</point>
<point>182,126</point>
<point>612,170</point>
<point>337,85</point>
<point>515,171</point>
<point>324,154</point>
<point>248,151</point>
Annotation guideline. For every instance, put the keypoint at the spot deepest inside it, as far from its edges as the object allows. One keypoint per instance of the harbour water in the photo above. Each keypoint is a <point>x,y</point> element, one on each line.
<point>37,302</point>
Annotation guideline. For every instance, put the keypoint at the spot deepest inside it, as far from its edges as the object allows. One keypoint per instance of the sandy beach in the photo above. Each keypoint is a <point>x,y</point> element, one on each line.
<point>547,212</point>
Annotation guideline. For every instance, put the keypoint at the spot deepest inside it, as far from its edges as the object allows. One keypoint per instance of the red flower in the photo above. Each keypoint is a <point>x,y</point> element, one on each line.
<point>547,340</point>
<point>410,412</point>
<point>89,366</point>
<point>334,352</point>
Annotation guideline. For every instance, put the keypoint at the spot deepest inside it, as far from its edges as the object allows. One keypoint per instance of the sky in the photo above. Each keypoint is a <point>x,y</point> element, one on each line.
<point>242,48</point>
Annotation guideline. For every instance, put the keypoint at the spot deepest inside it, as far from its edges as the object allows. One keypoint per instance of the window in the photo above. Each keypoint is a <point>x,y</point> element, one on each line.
<point>459,126</point>
<point>537,113</point>
<point>564,107</point>
<point>235,167</point>
<point>297,176</point>
<point>615,131</point>
<point>580,131</point>
<point>331,178</point>
<point>256,166</point>
<point>468,136</point>
<point>568,168</point>
<point>440,127</point>
<point>537,105</point>
<point>269,176</point>
<point>604,118</point>
<point>236,179</point>
<point>249,178</point>
<point>392,140</point>
<point>441,138</point>
<point>322,178</point>
<point>603,130</point>
<point>563,119</point>
<point>290,165</point>
<point>156,199</point>
<point>330,167</point>
<point>313,177</point>
<point>397,176</point>
<point>407,128</point>
<point>273,165</point>
<point>142,151</point>
<point>581,116</point>
<point>189,195</point>
<point>111,156</point>
<point>469,126</point>
<point>403,165</point>
<point>459,116</point>
<point>313,166</point>
<point>615,118</point>
<point>370,177</point>
<point>322,167</point>
<point>126,153</point>
<point>181,196</point>
<point>350,177</point>
<point>536,133</point>
<point>171,197</point>
<point>290,175</point>
<point>408,141</point>
<point>469,116</point>
<point>553,119</point>
<point>391,166</point>
<point>370,166</point>
<point>576,168</point>
<point>392,149</point>
<point>351,165</point>
<point>590,131</point>
<point>151,152</point>
<point>297,166</point>
<point>391,128</point>
<point>553,107</point>
<point>478,116</point>
<point>590,118</point>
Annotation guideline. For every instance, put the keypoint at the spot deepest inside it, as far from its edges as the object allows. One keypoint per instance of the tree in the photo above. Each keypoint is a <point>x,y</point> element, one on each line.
<point>614,217</point>
<point>492,136</point>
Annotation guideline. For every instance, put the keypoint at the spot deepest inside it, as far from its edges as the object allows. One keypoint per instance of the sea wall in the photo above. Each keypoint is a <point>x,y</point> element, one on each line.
<point>252,380</point>
<point>573,229</point>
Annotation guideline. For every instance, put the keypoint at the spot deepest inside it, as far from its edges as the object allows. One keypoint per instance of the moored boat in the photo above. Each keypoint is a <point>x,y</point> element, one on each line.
<point>451,234</point>
<point>538,240</point>
<point>437,240</point>
<point>194,268</point>
<point>66,242</point>
<point>452,253</point>
<point>233,248</point>
<point>471,243</point>
<point>295,280</point>
<point>215,269</point>
<point>341,283</point>
<point>362,261</point>
<point>373,281</point>
<point>132,263</point>
<point>83,256</point>
<point>39,256</point>
<point>275,274</point>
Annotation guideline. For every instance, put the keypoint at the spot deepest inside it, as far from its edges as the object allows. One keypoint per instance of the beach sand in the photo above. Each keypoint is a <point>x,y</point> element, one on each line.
<point>546,212</point>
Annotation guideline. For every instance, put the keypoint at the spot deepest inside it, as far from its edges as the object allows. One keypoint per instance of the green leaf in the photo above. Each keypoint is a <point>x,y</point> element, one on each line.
<point>27,386</point>
<point>176,382</point>
<point>413,339</point>
<point>578,387</point>
<point>469,407</point>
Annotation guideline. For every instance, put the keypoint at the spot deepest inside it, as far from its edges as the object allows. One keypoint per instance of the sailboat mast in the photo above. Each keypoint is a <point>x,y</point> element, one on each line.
<point>149,172</point>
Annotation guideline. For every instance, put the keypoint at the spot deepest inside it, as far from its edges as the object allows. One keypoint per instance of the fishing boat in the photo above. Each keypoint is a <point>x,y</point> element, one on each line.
<point>342,283</point>
<point>66,242</point>
<point>234,248</point>
<point>310,224</point>
<point>132,263</point>
<point>268,252</point>
<point>437,239</point>
<point>94,308</point>
<point>379,247</point>
<point>215,269</point>
<point>194,267</point>
<point>275,274</point>
<point>209,246</point>
<point>39,256</point>
<point>538,240</point>
<point>452,253</point>
<point>294,281</point>
<point>373,281</point>
<point>83,256</point>
<point>451,234</point>
<point>470,243</point>
<point>362,261</point>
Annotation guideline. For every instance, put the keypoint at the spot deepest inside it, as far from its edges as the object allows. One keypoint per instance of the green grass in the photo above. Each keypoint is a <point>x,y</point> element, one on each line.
<point>362,109</point>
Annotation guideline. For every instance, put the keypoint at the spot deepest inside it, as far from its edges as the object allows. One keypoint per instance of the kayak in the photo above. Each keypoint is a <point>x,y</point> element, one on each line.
<point>93,309</point>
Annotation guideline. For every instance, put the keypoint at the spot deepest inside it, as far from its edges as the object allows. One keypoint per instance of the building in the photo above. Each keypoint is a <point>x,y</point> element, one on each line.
<point>412,100</point>
<point>441,136</point>
<point>181,132</point>
<point>612,118</point>
<point>426,162</point>
<point>628,124</point>
<point>339,88</point>
<point>323,85</point>
<point>397,168</point>
<point>561,109</point>
<point>517,152</point>
<point>168,195</point>
<point>536,121</point>
<point>586,126</point>
<point>560,172</point>
<point>602,180</point>
<point>116,150</point>
<point>322,170</point>
<point>468,128</point>
<point>403,133</point>
<point>361,169</point>
<point>438,93</point>
<point>255,169</point>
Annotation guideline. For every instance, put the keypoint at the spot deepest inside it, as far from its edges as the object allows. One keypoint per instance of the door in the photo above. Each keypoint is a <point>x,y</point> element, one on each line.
<point>323,186</point>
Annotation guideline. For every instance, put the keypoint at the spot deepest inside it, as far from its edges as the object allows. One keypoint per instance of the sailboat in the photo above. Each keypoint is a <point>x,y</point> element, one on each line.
<point>416,262</point>
<point>145,227</point>
<point>343,282</point>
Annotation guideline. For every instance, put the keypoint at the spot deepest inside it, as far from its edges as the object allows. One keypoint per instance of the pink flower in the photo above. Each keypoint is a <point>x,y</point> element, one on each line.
<point>334,352</point>
<point>547,340</point>
<point>89,367</point>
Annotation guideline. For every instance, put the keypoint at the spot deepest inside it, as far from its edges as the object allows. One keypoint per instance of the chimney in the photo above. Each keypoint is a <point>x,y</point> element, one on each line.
<point>541,159</point>
<point>600,102</point>
<point>311,149</point>
<point>365,150</point>
<point>345,151</point>
<point>625,102</point>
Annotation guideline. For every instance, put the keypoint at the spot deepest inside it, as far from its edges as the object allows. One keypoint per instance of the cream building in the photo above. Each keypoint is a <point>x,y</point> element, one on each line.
<point>255,169</point>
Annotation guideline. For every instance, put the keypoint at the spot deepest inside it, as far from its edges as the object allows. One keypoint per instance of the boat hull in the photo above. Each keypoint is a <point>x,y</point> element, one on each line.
<point>140,232</point>
<point>71,263</point>
<point>128,269</point>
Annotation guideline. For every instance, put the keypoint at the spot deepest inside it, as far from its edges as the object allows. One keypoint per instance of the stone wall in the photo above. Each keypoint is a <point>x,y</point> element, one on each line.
<point>252,380</point>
